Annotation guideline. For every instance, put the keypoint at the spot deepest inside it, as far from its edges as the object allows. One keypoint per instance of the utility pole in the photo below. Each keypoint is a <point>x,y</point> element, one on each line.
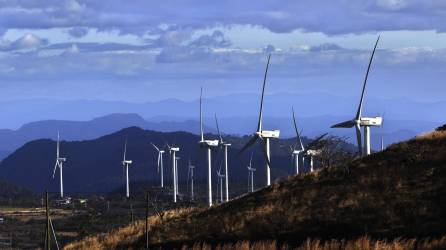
<point>48,226</point>
<point>147,220</point>
<point>131,213</point>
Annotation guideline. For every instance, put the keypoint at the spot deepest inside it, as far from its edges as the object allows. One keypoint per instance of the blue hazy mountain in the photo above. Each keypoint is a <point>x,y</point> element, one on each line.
<point>85,130</point>
<point>20,112</point>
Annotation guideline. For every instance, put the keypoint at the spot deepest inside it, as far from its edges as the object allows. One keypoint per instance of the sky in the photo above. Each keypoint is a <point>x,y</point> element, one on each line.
<point>139,51</point>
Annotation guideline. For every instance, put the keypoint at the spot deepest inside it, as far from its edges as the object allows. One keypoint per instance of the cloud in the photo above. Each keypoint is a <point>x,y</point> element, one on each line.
<point>143,17</point>
<point>26,42</point>
<point>78,32</point>
<point>326,47</point>
<point>215,40</point>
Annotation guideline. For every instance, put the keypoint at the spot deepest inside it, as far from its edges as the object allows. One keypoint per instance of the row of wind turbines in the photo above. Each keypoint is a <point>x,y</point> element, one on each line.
<point>261,135</point>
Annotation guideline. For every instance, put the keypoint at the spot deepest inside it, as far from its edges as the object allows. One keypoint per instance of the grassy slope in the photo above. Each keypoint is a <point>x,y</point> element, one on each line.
<point>400,192</point>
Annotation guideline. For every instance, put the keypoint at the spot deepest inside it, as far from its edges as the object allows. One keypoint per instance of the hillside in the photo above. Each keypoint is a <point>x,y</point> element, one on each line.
<point>95,165</point>
<point>11,194</point>
<point>400,192</point>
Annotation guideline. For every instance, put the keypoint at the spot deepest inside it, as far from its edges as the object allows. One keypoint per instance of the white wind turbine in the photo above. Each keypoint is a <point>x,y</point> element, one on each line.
<point>172,151</point>
<point>358,121</point>
<point>296,151</point>
<point>59,164</point>
<point>225,146</point>
<point>312,150</point>
<point>160,163</point>
<point>208,144</point>
<point>190,175</point>
<point>263,135</point>
<point>126,163</point>
<point>251,171</point>
<point>220,176</point>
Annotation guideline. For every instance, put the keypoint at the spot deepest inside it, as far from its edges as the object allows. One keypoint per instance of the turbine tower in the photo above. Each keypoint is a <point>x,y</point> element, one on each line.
<point>126,163</point>
<point>176,173</point>
<point>59,164</point>
<point>296,150</point>
<point>263,135</point>
<point>208,144</point>
<point>172,152</point>
<point>160,163</point>
<point>225,146</point>
<point>190,175</point>
<point>220,176</point>
<point>382,134</point>
<point>251,171</point>
<point>358,121</point>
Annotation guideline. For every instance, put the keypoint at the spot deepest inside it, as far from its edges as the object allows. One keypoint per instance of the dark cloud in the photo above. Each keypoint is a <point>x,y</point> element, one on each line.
<point>141,17</point>
<point>215,40</point>
<point>78,32</point>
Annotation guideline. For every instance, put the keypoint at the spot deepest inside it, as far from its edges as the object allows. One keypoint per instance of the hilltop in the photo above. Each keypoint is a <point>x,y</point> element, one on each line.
<point>400,192</point>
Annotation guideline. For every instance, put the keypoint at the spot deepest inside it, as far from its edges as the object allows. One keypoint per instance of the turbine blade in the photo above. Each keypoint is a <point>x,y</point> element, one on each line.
<point>265,154</point>
<point>250,161</point>
<point>358,137</point>
<point>297,130</point>
<point>159,161</point>
<point>218,129</point>
<point>358,113</point>
<point>259,124</point>
<point>57,150</point>
<point>248,144</point>
<point>346,124</point>
<point>157,149</point>
<point>201,115</point>
<point>55,166</point>
<point>313,144</point>
<point>125,148</point>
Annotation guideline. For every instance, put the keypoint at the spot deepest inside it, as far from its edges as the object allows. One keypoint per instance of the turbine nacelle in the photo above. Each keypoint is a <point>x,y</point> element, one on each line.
<point>313,152</point>
<point>297,152</point>
<point>174,149</point>
<point>126,162</point>
<point>268,133</point>
<point>61,159</point>
<point>371,121</point>
<point>209,143</point>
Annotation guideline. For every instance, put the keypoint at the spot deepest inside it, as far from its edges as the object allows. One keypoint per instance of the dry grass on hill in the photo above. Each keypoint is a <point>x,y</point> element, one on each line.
<point>400,192</point>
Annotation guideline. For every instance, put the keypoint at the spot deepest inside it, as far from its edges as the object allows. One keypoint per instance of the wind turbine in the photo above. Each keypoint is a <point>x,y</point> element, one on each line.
<point>172,152</point>
<point>358,121</point>
<point>225,146</point>
<point>190,175</point>
<point>126,164</point>
<point>251,171</point>
<point>312,150</point>
<point>297,150</point>
<point>160,163</point>
<point>263,135</point>
<point>220,183</point>
<point>59,164</point>
<point>208,144</point>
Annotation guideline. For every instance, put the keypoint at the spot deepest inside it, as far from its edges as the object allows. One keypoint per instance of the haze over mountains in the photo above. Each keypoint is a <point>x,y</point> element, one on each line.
<point>85,130</point>
<point>88,119</point>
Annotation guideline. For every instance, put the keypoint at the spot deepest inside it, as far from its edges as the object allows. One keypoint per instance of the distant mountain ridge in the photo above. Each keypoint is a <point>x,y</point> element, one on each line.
<point>85,130</point>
